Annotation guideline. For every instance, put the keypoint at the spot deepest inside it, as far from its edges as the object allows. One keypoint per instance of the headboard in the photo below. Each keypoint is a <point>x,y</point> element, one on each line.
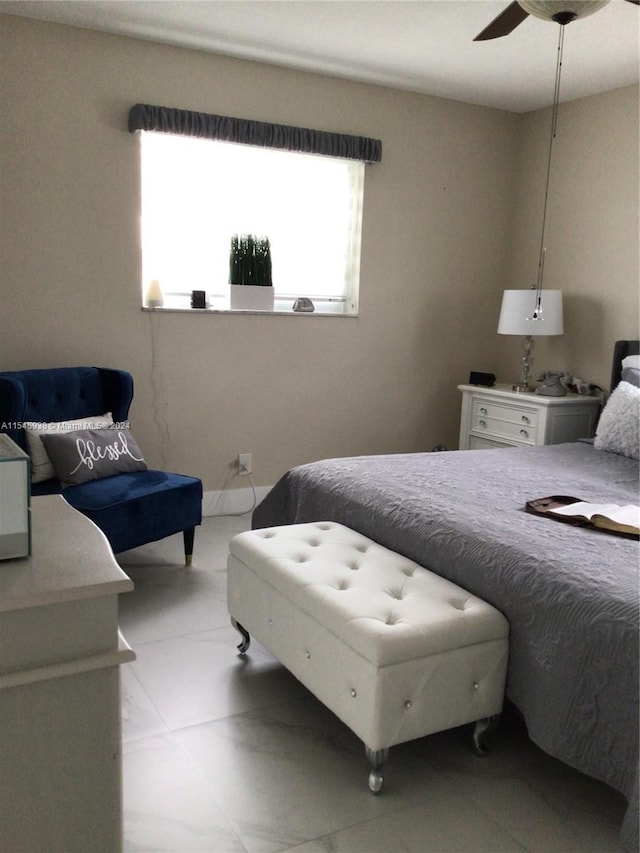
<point>621,350</point>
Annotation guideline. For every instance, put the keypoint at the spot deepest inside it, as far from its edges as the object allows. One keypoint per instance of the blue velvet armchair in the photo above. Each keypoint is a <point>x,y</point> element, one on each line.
<point>131,508</point>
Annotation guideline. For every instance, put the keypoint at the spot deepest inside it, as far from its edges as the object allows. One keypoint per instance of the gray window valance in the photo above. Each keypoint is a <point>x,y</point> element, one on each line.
<point>260,133</point>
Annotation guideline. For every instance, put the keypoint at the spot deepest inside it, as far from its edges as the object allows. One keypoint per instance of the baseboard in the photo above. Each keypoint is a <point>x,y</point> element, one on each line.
<point>232,501</point>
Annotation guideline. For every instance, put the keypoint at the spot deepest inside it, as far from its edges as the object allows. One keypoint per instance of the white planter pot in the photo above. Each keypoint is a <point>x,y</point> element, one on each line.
<point>250,297</point>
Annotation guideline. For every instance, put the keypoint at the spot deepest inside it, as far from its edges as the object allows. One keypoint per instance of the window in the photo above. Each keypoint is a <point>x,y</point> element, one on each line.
<point>197,193</point>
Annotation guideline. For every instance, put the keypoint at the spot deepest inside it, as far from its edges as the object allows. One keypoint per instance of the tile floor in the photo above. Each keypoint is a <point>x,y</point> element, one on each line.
<point>224,755</point>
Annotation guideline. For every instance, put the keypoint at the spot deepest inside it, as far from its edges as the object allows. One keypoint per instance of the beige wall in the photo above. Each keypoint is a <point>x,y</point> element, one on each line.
<point>592,230</point>
<point>439,211</point>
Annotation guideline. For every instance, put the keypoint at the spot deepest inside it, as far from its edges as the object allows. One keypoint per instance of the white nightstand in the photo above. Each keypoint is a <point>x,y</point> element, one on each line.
<point>500,417</point>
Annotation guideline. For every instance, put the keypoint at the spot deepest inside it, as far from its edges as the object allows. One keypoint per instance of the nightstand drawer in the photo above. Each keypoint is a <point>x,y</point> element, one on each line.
<point>477,442</point>
<point>504,420</point>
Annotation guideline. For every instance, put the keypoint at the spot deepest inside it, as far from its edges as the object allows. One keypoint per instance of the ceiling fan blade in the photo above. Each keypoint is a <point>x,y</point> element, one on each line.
<point>506,22</point>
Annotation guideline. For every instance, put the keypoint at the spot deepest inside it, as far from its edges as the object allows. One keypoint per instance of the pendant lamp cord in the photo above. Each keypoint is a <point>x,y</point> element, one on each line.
<point>537,314</point>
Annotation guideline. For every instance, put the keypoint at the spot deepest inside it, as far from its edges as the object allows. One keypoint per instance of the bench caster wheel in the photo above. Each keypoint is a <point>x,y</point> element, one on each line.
<point>377,758</point>
<point>376,781</point>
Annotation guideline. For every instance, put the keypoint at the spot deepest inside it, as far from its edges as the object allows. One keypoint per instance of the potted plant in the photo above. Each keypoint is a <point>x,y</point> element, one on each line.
<point>250,283</point>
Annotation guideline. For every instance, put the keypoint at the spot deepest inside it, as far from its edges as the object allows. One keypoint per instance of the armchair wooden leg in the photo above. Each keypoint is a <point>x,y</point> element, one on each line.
<point>188,536</point>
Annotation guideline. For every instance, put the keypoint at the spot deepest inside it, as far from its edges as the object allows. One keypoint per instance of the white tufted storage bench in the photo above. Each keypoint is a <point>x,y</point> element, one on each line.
<point>395,651</point>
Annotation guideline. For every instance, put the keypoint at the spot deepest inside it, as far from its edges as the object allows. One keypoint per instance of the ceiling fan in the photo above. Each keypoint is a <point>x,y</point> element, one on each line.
<point>560,11</point>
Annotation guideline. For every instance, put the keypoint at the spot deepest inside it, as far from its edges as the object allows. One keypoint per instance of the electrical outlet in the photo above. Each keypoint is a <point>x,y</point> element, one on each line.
<point>244,463</point>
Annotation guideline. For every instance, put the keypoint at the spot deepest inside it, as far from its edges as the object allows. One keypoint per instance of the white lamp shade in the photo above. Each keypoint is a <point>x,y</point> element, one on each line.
<point>516,313</point>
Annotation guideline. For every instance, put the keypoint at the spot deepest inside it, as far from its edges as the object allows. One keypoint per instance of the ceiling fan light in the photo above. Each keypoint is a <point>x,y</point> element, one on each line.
<point>549,9</point>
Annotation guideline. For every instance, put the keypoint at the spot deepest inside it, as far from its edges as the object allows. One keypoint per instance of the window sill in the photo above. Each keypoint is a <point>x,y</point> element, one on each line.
<point>276,312</point>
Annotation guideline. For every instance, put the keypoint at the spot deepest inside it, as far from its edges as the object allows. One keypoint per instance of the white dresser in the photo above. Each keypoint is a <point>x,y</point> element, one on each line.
<point>500,417</point>
<point>60,651</point>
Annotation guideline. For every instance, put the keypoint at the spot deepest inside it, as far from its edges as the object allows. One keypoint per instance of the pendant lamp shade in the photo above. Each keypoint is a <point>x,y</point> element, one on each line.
<point>519,306</point>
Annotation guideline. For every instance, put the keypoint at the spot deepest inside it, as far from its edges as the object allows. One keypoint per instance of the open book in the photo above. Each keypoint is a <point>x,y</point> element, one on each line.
<point>626,519</point>
<point>623,520</point>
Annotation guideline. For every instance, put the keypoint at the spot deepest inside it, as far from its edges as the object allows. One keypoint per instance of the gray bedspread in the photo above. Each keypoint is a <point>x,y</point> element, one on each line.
<point>570,593</point>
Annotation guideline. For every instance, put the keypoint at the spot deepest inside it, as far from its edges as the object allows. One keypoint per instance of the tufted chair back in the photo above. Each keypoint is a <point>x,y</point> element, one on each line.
<point>61,394</point>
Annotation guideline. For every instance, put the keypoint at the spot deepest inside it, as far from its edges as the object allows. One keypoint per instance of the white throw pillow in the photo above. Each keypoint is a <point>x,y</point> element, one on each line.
<point>41,467</point>
<point>619,426</point>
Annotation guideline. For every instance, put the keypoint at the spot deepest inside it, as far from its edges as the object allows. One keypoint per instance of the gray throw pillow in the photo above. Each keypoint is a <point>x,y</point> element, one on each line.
<point>84,455</point>
<point>631,375</point>
<point>41,467</point>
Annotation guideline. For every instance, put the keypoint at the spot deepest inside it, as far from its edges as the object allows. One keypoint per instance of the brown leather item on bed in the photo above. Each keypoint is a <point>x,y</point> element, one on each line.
<point>545,507</point>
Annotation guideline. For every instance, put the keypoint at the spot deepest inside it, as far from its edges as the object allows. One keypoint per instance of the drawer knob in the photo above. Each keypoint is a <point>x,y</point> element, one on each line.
<point>483,410</point>
<point>525,419</point>
<point>524,433</point>
<point>483,423</point>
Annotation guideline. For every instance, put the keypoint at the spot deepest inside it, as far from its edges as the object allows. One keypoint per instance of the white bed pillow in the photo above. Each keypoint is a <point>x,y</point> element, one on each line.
<point>619,426</point>
<point>631,361</point>
<point>41,467</point>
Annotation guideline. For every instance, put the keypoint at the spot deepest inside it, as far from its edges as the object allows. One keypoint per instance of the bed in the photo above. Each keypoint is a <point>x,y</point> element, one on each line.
<point>570,593</point>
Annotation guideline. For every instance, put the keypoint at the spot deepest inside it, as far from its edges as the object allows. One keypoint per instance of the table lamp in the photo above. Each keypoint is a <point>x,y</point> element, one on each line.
<point>530,313</point>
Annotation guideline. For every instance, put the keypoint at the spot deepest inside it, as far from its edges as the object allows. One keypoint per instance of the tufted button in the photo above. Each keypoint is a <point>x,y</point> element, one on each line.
<point>266,534</point>
<point>353,693</point>
<point>354,566</point>
<point>408,704</point>
<point>314,543</point>
<point>476,686</point>
<point>307,654</point>
<point>362,548</point>
<point>324,525</point>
